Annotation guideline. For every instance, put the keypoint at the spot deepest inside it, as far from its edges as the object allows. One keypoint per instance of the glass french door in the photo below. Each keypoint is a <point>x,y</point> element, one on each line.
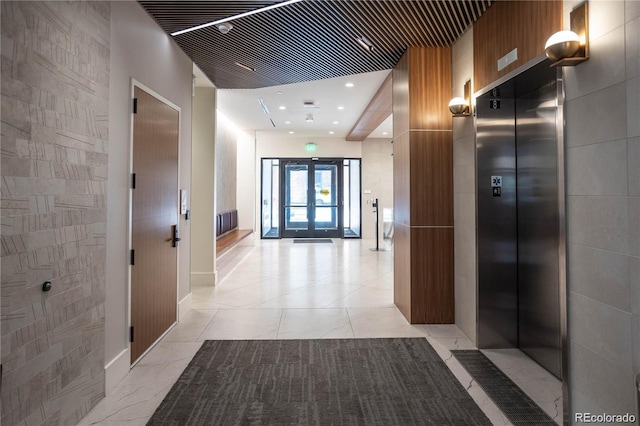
<point>311,198</point>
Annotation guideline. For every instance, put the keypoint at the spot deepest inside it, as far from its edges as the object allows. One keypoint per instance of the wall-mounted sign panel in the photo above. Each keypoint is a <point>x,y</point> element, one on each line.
<point>507,59</point>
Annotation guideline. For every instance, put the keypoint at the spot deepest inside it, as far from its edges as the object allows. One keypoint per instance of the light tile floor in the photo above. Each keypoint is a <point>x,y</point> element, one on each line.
<point>274,289</point>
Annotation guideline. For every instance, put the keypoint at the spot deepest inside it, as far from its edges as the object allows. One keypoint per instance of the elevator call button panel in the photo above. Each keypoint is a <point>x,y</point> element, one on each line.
<point>496,185</point>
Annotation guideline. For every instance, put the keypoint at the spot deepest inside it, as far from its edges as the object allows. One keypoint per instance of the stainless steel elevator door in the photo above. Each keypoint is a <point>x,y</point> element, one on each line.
<point>518,223</point>
<point>497,226</point>
<point>538,227</point>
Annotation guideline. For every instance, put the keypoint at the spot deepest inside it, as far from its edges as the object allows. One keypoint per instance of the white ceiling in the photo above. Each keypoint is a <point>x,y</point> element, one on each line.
<point>241,106</point>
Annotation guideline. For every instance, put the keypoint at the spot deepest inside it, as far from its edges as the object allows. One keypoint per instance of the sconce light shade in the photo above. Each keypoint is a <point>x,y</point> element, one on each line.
<point>459,106</point>
<point>562,45</point>
<point>569,48</point>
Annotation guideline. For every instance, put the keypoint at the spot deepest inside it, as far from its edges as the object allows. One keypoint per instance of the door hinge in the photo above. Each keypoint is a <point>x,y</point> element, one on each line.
<point>135,105</point>
<point>132,257</point>
<point>131,334</point>
<point>133,181</point>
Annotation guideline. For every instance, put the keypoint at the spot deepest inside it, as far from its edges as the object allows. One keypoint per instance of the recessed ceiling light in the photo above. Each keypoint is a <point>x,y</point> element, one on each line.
<point>349,85</point>
<point>287,122</point>
<point>336,122</point>
<point>331,132</point>
<point>225,27</point>
<point>263,105</point>
<point>291,132</point>
<point>385,133</point>
<point>340,107</point>
<point>282,107</point>
<point>279,92</point>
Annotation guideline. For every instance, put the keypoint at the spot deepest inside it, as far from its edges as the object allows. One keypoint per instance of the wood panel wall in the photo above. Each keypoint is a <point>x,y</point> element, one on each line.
<point>506,25</point>
<point>432,286</point>
<point>400,96</point>
<point>423,186</point>
<point>431,178</point>
<point>429,74</point>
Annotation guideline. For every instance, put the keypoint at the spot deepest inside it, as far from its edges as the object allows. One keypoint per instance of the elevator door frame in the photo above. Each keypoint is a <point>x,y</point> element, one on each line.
<point>562,267</point>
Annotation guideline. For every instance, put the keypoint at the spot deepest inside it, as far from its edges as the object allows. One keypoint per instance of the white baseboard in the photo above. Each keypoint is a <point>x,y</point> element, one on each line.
<point>203,278</point>
<point>116,369</point>
<point>184,306</point>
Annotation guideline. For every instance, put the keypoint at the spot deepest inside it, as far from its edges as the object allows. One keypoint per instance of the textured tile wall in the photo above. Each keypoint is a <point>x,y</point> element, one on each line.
<point>55,96</point>
<point>603,215</point>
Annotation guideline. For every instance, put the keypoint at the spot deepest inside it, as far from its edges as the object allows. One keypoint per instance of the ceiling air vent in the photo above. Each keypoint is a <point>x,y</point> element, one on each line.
<point>309,104</point>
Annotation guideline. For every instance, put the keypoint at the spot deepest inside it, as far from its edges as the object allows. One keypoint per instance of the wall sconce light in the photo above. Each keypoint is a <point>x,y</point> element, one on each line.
<point>461,107</point>
<point>569,48</point>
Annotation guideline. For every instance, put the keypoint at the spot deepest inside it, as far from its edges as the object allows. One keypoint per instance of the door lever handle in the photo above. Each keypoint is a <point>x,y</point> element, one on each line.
<point>175,238</point>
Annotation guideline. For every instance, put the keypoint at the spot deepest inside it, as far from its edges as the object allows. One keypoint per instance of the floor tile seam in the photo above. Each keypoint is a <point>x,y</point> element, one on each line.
<point>279,323</point>
<point>208,325</point>
<point>243,287</point>
<point>256,306</point>
<point>328,305</point>
<point>237,265</point>
<point>350,323</point>
<point>325,279</point>
<point>313,309</point>
<point>226,307</point>
<point>335,328</point>
<point>172,339</point>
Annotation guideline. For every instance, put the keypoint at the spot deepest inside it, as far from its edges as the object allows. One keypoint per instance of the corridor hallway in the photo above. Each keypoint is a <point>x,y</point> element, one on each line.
<point>278,289</point>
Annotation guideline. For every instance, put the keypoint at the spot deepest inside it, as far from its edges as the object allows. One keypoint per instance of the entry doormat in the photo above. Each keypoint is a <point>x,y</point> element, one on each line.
<point>312,241</point>
<point>399,381</point>
<point>510,399</point>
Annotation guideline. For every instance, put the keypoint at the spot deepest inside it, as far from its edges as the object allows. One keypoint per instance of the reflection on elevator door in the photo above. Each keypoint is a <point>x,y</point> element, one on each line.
<point>518,219</point>
<point>537,203</point>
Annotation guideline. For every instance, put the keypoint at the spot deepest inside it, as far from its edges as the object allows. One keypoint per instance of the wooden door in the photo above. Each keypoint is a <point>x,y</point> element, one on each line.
<point>154,218</point>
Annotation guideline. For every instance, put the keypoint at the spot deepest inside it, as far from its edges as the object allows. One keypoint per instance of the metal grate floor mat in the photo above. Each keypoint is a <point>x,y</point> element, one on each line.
<point>312,240</point>
<point>510,399</point>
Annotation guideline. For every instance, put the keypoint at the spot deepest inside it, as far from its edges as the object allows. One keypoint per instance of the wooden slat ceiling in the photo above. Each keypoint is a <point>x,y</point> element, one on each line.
<point>311,39</point>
